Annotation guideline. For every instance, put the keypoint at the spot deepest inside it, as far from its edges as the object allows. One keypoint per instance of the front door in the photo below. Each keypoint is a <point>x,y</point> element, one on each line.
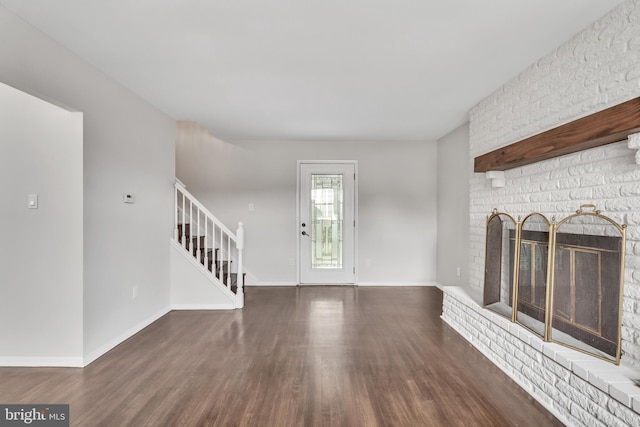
<point>326,228</point>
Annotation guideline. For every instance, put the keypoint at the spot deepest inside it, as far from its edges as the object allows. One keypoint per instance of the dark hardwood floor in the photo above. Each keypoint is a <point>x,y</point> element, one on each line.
<point>308,356</point>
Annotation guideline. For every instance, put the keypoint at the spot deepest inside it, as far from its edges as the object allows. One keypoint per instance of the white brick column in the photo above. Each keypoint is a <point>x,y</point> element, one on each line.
<point>596,69</point>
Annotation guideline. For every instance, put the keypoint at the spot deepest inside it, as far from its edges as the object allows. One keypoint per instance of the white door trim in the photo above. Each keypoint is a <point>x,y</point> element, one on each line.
<point>355,213</point>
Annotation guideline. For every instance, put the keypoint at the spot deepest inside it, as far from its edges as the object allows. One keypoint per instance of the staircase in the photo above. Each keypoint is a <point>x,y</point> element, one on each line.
<point>215,248</point>
<point>209,259</point>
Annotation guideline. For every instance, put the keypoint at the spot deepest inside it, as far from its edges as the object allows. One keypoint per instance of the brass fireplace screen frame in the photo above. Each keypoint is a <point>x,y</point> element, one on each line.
<point>561,280</point>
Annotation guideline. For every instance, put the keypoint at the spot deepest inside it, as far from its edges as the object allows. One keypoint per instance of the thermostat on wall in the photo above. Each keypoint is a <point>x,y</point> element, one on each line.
<point>128,198</point>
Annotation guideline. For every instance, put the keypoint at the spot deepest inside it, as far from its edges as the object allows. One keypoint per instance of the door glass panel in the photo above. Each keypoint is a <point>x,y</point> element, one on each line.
<point>326,221</point>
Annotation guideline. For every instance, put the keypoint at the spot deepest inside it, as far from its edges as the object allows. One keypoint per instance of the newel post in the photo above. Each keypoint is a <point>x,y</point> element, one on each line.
<point>240,279</point>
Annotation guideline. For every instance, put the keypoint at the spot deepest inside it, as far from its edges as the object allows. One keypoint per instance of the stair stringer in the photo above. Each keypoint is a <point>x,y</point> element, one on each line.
<point>193,287</point>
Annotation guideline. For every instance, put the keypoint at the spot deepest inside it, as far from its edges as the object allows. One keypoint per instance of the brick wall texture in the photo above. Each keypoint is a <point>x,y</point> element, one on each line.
<point>596,69</point>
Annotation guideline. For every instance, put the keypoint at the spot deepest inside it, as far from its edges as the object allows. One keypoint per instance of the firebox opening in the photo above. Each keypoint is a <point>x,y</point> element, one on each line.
<point>577,302</point>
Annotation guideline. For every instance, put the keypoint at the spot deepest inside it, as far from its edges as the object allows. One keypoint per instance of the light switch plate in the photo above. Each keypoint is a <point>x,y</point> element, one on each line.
<point>32,201</point>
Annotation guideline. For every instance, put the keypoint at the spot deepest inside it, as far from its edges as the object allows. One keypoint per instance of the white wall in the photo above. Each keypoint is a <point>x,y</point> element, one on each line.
<point>454,171</point>
<point>128,147</point>
<point>41,251</point>
<point>397,200</point>
<point>598,68</point>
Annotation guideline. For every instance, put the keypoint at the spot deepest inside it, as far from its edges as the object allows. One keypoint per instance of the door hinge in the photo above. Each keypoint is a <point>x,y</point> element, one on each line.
<point>354,270</point>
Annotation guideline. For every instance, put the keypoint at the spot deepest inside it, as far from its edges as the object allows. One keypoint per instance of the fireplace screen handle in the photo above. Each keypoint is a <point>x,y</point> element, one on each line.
<point>588,206</point>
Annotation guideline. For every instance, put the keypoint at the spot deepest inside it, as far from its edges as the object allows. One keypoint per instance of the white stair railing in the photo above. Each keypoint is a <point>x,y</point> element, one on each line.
<point>213,245</point>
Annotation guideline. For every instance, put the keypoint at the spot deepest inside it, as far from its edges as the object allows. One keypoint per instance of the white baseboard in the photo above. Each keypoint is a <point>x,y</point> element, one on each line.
<point>124,336</point>
<point>372,284</point>
<point>32,362</point>
<point>272,284</point>
<point>79,362</point>
<point>397,284</point>
<point>203,307</point>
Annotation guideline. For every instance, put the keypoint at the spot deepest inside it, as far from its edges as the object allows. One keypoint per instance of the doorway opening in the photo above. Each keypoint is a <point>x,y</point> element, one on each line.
<point>326,222</point>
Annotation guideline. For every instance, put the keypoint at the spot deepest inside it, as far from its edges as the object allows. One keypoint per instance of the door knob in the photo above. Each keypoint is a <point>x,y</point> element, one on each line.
<point>304,233</point>
<point>303,224</point>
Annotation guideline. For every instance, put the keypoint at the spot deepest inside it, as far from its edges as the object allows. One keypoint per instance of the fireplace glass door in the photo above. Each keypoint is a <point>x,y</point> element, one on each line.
<point>587,284</point>
<point>499,261</point>
<point>532,273</point>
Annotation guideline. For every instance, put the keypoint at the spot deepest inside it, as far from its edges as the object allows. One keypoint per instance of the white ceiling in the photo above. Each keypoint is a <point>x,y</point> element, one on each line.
<point>313,69</point>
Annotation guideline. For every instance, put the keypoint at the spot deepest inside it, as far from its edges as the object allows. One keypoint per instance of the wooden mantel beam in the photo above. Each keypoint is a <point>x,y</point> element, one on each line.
<point>605,127</point>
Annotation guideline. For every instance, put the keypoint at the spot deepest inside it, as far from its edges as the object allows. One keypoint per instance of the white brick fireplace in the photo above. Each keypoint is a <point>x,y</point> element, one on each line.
<point>596,69</point>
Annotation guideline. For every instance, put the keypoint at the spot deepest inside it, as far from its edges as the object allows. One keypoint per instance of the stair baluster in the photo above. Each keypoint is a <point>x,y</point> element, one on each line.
<point>205,260</point>
<point>199,242</point>
<point>184,226</point>
<point>240,277</point>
